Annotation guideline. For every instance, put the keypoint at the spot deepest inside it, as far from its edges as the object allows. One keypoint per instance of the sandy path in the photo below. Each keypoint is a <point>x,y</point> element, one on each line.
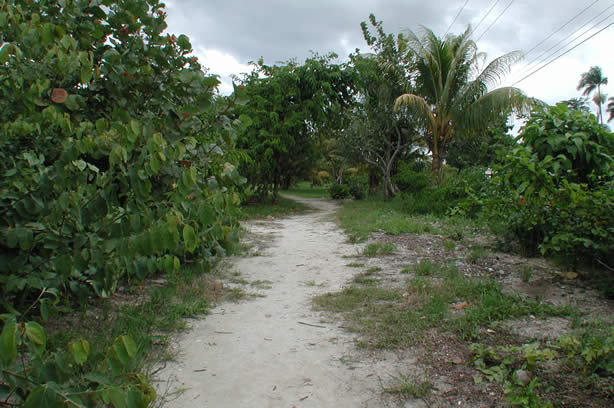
<point>256,354</point>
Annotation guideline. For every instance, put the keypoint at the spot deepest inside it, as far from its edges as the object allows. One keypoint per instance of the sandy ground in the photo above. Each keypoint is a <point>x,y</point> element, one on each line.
<point>275,351</point>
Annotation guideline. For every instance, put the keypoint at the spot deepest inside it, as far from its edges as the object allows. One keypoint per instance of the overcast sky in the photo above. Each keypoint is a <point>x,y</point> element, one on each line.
<point>227,34</point>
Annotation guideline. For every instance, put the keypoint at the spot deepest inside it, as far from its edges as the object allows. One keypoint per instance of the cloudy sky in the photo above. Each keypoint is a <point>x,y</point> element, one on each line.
<point>227,34</point>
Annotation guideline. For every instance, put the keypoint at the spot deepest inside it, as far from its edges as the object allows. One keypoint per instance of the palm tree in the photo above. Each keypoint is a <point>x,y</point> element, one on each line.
<point>610,108</point>
<point>452,92</point>
<point>591,81</point>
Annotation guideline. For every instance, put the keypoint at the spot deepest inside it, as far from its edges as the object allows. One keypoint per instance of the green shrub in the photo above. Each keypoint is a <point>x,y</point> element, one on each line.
<point>339,191</point>
<point>560,205</point>
<point>358,186</point>
<point>107,171</point>
<point>413,177</point>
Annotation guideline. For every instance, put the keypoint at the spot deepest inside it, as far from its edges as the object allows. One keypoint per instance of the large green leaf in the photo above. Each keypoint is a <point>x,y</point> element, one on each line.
<point>190,239</point>
<point>8,342</point>
<point>80,350</point>
<point>37,340</point>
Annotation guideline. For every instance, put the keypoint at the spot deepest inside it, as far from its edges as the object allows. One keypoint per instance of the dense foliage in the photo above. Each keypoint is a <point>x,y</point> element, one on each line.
<point>555,189</point>
<point>117,163</point>
<point>114,150</point>
<point>376,135</point>
<point>290,105</point>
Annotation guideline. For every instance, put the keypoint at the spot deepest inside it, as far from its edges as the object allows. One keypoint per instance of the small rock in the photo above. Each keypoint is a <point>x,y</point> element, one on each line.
<point>416,403</point>
<point>524,377</point>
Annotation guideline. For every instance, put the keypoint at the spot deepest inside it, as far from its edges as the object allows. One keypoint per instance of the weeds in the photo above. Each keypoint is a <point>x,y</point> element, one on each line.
<point>378,249</point>
<point>355,265</point>
<point>449,245</point>
<point>409,388</point>
<point>387,322</point>
<point>477,253</point>
<point>424,268</point>
<point>281,208</point>
<point>526,273</point>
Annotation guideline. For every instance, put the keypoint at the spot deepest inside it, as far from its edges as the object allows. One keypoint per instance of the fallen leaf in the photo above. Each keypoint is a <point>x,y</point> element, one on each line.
<point>59,95</point>
<point>460,306</point>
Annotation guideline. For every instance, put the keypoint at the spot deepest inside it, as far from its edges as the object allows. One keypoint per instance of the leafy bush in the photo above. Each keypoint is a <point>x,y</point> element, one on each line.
<point>555,191</point>
<point>116,157</point>
<point>339,191</point>
<point>454,193</point>
<point>358,186</point>
<point>34,376</point>
<point>413,177</point>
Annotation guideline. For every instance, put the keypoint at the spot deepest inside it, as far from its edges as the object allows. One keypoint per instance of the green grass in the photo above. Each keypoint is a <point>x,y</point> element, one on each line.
<point>361,217</point>
<point>477,253</point>
<point>386,322</point>
<point>149,315</point>
<point>378,249</point>
<point>526,273</point>
<point>449,245</point>
<point>306,190</point>
<point>355,265</point>
<point>282,208</point>
<point>408,388</point>
<point>424,268</point>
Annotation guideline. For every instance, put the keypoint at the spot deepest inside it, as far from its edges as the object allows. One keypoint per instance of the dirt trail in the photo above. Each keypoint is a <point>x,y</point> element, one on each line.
<point>255,353</point>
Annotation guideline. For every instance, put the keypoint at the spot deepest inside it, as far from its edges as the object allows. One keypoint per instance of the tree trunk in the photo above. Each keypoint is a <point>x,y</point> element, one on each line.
<point>436,167</point>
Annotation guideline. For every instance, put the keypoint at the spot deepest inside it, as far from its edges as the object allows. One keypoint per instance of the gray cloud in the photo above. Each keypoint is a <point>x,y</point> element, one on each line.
<point>279,30</point>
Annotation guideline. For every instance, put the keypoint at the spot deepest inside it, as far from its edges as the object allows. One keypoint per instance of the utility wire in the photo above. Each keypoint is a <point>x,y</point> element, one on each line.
<point>532,62</point>
<point>455,18</point>
<point>485,15</point>
<point>566,52</point>
<point>496,19</point>
<point>563,26</point>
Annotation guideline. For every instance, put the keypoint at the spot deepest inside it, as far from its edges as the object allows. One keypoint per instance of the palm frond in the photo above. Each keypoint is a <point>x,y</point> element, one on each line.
<point>418,103</point>
<point>492,104</point>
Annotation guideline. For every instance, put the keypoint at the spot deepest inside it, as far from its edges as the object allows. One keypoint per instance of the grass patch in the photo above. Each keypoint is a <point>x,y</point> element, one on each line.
<point>355,265</point>
<point>373,270</point>
<point>389,318</point>
<point>306,190</point>
<point>526,273</point>
<point>378,249</point>
<point>408,388</point>
<point>282,208</point>
<point>366,278</point>
<point>262,284</point>
<point>361,217</point>
<point>149,314</point>
<point>424,268</point>
<point>449,245</point>
<point>477,253</point>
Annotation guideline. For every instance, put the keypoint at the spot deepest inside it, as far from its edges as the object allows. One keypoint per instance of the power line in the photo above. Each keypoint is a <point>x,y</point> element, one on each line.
<point>485,15</point>
<point>496,19</point>
<point>563,26</point>
<point>565,53</point>
<point>455,18</point>
<point>532,62</point>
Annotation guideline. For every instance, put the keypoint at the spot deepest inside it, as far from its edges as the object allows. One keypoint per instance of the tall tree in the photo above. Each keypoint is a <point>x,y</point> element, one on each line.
<point>289,104</point>
<point>453,92</point>
<point>591,81</point>
<point>378,135</point>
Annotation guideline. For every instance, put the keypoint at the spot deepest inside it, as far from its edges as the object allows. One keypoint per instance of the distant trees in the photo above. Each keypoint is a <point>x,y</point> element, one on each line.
<point>289,104</point>
<point>591,81</point>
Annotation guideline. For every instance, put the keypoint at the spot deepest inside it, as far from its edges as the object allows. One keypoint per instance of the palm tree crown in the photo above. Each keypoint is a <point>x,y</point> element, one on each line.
<point>452,92</point>
<point>591,81</point>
